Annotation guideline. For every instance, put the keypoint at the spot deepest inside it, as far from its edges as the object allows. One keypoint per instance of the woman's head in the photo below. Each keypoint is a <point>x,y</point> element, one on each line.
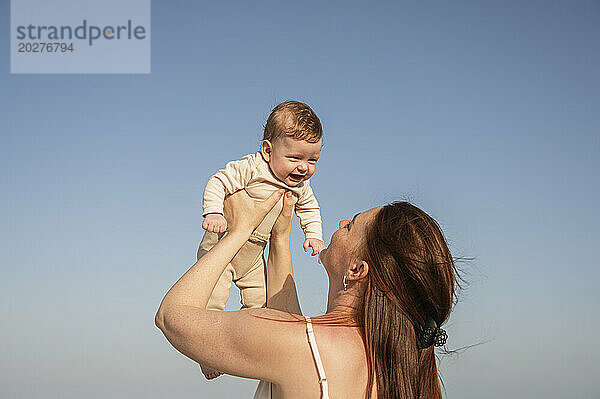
<point>398,260</point>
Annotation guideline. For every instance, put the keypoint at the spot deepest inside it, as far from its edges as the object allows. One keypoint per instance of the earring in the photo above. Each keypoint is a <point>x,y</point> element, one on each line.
<point>345,282</point>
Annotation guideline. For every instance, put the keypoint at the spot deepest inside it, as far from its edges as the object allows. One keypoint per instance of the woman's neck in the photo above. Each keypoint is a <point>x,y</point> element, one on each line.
<point>343,302</point>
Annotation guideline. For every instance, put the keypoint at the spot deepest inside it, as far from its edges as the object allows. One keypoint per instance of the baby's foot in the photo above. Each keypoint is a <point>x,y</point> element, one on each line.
<point>209,373</point>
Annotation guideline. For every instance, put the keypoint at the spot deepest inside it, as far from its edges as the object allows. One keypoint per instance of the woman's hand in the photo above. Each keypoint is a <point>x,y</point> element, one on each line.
<point>283,224</point>
<point>244,214</point>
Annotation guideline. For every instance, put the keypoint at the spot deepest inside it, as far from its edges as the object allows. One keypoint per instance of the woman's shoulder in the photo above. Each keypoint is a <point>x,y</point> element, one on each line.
<point>344,359</point>
<point>341,341</point>
<point>340,348</point>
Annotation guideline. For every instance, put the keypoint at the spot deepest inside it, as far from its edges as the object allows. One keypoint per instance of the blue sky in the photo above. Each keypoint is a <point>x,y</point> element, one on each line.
<point>485,115</point>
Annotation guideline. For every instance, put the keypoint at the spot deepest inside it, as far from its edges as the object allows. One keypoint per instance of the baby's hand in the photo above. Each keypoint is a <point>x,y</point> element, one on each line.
<point>215,223</point>
<point>316,245</point>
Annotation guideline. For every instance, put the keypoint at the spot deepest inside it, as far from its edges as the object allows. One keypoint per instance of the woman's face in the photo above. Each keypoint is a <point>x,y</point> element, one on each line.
<point>346,241</point>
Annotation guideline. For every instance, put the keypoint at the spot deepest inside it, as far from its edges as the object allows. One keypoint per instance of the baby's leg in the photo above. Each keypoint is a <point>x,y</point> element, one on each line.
<point>220,293</point>
<point>209,240</point>
<point>253,289</point>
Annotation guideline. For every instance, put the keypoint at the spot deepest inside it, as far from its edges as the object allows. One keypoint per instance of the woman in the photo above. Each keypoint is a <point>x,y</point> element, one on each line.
<point>391,284</point>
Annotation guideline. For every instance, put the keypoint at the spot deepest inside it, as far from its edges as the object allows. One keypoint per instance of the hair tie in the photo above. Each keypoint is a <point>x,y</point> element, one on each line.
<point>432,335</point>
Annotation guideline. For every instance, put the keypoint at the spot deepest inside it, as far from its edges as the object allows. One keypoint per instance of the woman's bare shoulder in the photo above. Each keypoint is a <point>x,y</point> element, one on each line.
<point>344,359</point>
<point>343,340</point>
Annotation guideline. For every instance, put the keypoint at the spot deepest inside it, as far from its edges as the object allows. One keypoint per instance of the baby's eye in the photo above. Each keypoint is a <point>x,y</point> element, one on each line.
<point>312,160</point>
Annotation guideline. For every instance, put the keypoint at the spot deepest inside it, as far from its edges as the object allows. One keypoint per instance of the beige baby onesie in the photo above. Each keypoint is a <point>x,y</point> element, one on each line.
<point>247,268</point>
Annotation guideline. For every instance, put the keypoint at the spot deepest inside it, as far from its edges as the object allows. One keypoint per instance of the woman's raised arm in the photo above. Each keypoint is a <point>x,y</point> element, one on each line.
<point>237,343</point>
<point>281,286</point>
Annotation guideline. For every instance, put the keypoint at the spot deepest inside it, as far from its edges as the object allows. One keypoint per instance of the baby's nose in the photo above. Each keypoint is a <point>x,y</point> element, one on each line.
<point>302,167</point>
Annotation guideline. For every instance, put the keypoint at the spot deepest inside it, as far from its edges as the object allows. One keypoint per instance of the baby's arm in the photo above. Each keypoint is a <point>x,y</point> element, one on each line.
<point>232,178</point>
<point>307,209</point>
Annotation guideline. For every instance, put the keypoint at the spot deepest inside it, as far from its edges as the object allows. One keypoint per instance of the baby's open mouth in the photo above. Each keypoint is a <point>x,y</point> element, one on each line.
<point>296,177</point>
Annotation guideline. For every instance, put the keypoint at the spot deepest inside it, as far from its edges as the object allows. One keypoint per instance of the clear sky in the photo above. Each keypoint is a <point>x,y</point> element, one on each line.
<point>484,114</point>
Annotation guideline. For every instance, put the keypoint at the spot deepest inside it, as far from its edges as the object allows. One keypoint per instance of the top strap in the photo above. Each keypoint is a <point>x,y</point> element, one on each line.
<point>315,351</point>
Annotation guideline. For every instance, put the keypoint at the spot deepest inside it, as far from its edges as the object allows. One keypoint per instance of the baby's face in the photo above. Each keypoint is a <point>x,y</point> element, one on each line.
<point>292,161</point>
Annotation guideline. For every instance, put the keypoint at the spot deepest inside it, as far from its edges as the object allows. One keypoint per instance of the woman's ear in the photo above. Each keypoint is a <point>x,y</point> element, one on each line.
<point>265,148</point>
<point>358,270</point>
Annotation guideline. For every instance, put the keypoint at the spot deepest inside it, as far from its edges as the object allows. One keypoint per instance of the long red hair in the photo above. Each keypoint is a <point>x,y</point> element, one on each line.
<point>412,276</point>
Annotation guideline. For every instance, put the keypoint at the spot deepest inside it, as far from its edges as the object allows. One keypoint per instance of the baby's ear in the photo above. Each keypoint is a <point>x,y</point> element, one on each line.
<point>265,148</point>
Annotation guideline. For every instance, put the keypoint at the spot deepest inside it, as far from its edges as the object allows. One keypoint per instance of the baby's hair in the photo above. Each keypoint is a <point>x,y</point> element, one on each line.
<point>293,119</point>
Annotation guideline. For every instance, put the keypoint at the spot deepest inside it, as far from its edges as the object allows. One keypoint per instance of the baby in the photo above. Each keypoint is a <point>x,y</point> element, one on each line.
<point>287,159</point>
